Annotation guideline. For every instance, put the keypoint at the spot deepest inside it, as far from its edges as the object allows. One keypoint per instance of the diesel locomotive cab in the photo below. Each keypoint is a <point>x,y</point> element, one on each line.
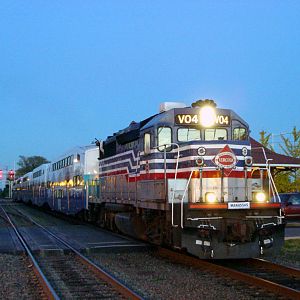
<point>221,206</point>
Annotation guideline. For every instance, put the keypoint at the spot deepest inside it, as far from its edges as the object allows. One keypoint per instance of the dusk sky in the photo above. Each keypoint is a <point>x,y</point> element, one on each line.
<point>75,70</point>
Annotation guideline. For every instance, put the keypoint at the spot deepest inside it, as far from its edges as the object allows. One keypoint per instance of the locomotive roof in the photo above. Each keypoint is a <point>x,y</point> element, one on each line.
<point>131,132</point>
<point>168,116</point>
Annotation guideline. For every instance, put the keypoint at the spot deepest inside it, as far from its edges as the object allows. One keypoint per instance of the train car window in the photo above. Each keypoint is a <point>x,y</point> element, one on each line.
<point>215,134</point>
<point>240,133</point>
<point>188,134</point>
<point>164,138</point>
<point>147,143</point>
<point>78,180</point>
<point>75,180</point>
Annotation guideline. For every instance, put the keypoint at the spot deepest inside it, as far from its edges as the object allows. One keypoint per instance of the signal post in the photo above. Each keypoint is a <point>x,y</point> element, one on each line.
<point>10,178</point>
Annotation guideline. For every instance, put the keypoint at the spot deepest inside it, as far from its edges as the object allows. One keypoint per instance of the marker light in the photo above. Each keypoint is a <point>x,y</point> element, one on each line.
<point>207,116</point>
<point>248,161</point>
<point>199,161</point>
<point>260,197</point>
<point>210,197</point>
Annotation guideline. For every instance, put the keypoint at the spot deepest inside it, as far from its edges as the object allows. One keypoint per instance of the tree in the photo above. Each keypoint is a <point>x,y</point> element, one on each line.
<point>265,140</point>
<point>283,182</point>
<point>287,181</point>
<point>4,192</point>
<point>291,147</point>
<point>27,164</point>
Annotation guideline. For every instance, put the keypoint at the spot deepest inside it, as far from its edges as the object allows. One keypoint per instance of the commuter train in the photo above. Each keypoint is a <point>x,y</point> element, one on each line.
<point>182,178</point>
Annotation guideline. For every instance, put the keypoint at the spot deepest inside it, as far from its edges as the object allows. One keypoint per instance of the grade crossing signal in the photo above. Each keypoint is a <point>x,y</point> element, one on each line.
<point>10,175</point>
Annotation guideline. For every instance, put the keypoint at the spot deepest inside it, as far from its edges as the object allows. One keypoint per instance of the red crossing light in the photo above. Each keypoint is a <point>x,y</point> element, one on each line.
<point>11,175</point>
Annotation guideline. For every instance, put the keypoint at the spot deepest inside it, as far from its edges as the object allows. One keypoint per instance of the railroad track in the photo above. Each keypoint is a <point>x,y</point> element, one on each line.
<point>266,270</point>
<point>47,290</point>
<point>69,274</point>
<point>255,273</point>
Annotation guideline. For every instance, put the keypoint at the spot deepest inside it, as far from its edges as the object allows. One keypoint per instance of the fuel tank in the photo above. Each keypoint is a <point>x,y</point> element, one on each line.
<point>130,224</point>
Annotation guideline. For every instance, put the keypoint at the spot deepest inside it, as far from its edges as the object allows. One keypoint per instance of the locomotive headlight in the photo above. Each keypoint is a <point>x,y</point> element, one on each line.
<point>207,116</point>
<point>210,197</point>
<point>260,197</point>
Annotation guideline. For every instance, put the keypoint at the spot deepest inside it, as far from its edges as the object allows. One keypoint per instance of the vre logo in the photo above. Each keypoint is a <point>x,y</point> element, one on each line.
<point>225,159</point>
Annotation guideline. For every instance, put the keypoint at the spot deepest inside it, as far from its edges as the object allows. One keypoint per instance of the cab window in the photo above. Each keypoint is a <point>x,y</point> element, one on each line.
<point>240,134</point>
<point>188,134</point>
<point>215,134</point>
<point>164,135</point>
<point>147,143</point>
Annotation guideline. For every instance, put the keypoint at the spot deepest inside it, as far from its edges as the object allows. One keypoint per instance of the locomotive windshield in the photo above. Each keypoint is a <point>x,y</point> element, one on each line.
<point>188,134</point>
<point>199,123</point>
<point>240,133</point>
<point>215,134</point>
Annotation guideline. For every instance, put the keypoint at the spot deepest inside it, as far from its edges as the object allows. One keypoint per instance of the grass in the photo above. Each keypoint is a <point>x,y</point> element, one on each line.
<point>291,246</point>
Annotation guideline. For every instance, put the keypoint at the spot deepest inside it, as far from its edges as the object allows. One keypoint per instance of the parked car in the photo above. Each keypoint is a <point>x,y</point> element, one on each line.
<point>290,204</point>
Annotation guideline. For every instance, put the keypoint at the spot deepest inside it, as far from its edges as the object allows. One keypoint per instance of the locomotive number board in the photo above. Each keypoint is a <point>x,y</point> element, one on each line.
<point>194,119</point>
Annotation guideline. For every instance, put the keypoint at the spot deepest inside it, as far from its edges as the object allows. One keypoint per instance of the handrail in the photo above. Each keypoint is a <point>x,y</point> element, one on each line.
<point>175,177</point>
<point>276,194</point>
<point>185,190</point>
<point>271,180</point>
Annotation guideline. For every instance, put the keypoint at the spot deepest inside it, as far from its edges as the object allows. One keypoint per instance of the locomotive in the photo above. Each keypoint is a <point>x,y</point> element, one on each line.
<point>182,178</point>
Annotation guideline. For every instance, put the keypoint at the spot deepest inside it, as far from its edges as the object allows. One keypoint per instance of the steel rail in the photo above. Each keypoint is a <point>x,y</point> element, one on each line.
<point>119,286</point>
<point>275,267</point>
<point>286,292</point>
<point>48,289</point>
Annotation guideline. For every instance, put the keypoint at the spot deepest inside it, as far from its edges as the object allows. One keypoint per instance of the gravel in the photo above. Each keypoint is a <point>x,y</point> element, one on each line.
<point>150,276</point>
<point>17,278</point>
<point>156,278</point>
<point>292,261</point>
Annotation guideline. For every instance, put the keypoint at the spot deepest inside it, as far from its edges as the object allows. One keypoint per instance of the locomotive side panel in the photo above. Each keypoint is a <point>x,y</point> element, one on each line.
<point>151,190</point>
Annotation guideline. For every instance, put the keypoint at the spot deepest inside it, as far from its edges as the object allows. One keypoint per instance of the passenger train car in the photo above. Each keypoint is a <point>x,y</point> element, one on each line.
<point>182,178</point>
<point>60,185</point>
